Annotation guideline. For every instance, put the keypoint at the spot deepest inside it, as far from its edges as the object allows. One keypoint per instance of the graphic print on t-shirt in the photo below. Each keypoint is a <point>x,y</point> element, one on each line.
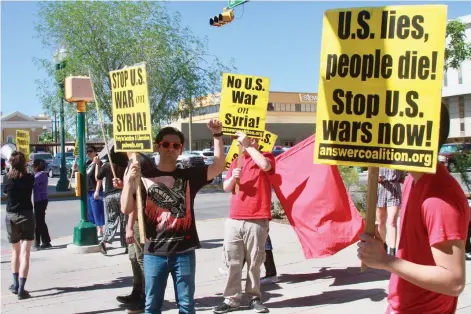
<point>168,203</point>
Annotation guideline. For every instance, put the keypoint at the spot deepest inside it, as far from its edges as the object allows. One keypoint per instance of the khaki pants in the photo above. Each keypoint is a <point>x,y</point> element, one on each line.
<point>244,239</point>
<point>136,256</point>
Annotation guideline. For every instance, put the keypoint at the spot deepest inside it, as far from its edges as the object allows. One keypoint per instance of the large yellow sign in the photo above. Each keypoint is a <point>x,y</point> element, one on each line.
<point>380,87</point>
<point>22,142</point>
<point>264,145</point>
<point>244,102</point>
<point>132,127</point>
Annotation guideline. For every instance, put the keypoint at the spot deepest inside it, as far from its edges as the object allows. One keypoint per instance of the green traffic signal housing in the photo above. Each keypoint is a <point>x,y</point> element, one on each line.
<point>225,17</point>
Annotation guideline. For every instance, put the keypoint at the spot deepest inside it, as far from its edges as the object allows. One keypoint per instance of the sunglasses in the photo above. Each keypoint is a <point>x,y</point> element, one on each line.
<point>168,144</point>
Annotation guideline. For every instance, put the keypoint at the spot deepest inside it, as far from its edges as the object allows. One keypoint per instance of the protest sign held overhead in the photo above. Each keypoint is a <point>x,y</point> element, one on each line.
<point>131,110</point>
<point>244,101</point>
<point>22,142</point>
<point>268,141</point>
<point>380,89</point>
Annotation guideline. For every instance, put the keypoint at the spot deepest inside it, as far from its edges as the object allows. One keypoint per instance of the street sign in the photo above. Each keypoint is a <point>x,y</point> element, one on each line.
<point>234,3</point>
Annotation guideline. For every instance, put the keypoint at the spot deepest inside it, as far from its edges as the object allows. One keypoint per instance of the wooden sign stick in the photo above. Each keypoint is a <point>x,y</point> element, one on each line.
<point>140,209</point>
<point>372,197</point>
<point>239,165</point>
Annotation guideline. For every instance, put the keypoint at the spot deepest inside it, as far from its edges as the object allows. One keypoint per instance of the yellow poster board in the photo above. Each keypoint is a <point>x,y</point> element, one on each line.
<point>268,142</point>
<point>380,87</point>
<point>22,142</point>
<point>244,103</point>
<point>132,127</point>
<point>264,145</point>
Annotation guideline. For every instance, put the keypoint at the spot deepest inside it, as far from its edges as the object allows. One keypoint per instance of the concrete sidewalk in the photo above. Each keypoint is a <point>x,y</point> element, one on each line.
<point>64,283</point>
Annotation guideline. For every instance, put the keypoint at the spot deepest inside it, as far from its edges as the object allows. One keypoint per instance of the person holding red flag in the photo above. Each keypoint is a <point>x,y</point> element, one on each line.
<point>428,272</point>
<point>246,229</point>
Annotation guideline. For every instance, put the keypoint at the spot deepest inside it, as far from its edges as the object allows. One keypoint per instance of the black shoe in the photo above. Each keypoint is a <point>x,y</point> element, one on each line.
<point>138,307</point>
<point>36,248</point>
<point>46,246</point>
<point>102,247</point>
<point>133,298</point>
<point>258,307</point>
<point>13,289</point>
<point>24,295</point>
<point>224,308</point>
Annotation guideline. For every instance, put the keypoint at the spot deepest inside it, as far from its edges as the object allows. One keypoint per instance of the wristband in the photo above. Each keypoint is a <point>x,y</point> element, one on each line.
<point>218,134</point>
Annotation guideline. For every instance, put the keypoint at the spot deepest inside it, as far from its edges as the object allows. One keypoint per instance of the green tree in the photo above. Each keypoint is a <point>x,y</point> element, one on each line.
<point>105,36</point>
<point>458,49</point>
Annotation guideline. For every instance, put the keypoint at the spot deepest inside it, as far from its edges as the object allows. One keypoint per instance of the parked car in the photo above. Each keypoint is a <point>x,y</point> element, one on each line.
<point>277,150</point>
<point>226,149</point>
<point>47,157</point>
<point>187,159</point>
<point>54,168</point>
<point>447,154</point>
<point>208,156</point>
<point>67,154</point>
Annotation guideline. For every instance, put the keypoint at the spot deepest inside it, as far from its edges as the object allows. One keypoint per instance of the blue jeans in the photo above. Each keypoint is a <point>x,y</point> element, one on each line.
<point>156,270</point>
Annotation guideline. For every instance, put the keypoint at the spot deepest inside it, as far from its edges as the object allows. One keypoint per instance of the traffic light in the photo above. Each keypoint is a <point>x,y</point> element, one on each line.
<point>225,17</point>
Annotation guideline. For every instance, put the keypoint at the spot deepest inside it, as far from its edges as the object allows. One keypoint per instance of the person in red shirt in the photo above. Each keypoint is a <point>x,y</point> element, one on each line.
<point>246,229</point>
<point>428,272</point>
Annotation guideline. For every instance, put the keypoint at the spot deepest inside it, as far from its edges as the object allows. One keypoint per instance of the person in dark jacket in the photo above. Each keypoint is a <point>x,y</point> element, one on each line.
<point>19,220</point>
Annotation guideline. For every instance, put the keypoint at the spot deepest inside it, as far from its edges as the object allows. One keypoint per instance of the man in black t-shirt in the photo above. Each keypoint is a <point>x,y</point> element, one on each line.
<point>171,235</point>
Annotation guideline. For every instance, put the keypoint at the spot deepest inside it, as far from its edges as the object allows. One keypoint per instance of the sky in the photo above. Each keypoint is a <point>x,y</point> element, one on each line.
<point>280,40</point>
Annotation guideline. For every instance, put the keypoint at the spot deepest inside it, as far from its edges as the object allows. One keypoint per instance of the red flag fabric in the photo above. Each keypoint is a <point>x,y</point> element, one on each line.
<point>316,202</point>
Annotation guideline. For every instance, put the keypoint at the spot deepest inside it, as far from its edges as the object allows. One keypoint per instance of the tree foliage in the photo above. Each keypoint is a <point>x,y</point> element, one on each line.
<point>458,49</point>
<point>105,36</point>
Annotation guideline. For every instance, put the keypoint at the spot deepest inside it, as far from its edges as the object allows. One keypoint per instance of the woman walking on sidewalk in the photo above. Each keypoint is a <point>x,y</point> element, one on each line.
<point>19,220</point>
<point>41,200</point>
<point>103,172</point>
<point>96,210</point>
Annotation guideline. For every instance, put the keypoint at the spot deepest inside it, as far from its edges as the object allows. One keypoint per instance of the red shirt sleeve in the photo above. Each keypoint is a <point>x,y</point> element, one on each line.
<point>443,220</point>
<point>271,159</point>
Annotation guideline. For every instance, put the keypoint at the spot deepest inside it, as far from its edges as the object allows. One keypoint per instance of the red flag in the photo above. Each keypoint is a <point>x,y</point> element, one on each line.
<point>316,202</point>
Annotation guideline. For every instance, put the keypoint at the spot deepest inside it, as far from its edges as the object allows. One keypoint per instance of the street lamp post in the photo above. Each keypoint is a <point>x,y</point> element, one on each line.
<point>63,183</point>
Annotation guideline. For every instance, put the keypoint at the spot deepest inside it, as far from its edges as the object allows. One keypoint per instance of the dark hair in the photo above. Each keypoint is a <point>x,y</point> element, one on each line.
<point>444,126</point>
<point>92,148</point>
<point>169,131</point>
<point>18,165</point>
<point>146,163</point>
<point>40,164</point>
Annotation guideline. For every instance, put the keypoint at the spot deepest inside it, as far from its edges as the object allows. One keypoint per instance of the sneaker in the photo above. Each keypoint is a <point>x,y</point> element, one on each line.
<point>258,307</point>
<point>36,248</point>
<point>24,295</point>
<point>13,289</point>
<point>138,307</point>
<point>268,280</point>
<point>102,247</point>
<point>128,299</point>
<point>224,308</point>
<point>46,246</point>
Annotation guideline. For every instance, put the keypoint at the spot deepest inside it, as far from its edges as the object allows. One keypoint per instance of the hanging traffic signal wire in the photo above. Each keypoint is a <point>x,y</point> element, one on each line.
<point>223,18</point>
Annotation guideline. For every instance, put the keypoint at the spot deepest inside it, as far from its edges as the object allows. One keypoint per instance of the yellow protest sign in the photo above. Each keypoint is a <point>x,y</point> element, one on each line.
<point>232,154</point>
<point>22,142</point>
<point>380,88</point>
<point>268,142</point>
<point>132,128</point>
<point>244,102</point>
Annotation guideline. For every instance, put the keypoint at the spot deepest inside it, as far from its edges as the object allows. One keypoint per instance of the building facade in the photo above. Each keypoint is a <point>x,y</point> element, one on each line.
<point>456,94</point>
<point>35,125</point>
<point>291,116</point>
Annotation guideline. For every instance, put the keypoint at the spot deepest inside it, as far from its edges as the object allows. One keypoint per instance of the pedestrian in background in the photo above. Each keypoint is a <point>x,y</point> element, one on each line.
<point>41,200</point>
<point>96,210</point>
<point>19,220</point>
<point>116,218</point>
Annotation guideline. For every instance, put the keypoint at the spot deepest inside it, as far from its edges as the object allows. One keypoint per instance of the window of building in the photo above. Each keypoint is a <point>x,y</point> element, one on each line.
<point>460,75</point>
<point>288,143</point>
<point>10,139</point>
<point>195,145</point>
<point>270,107</point>
<point>308,107</point>
<point>285,107</point>
<point>445,79</point>
<point>462,126</point>
<point>207,144</point>
<point>461,106</point>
